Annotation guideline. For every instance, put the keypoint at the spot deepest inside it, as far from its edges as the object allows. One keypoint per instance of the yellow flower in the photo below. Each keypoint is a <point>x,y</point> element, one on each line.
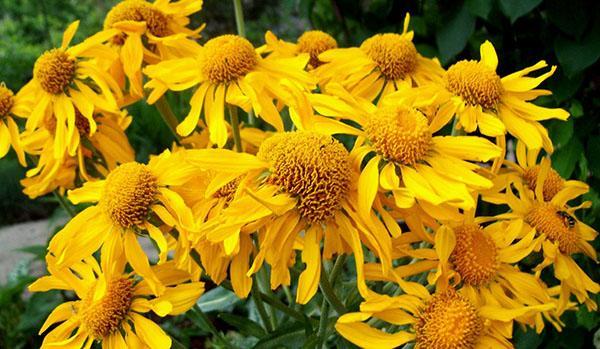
<point>447,319</point>
<point>312,42</point>
<point>110,304</point>
<point>562,233</point>
<point>475,93</point>
<point>298,182</point>
<point>409,161</point>
<point>64,79</point>
<point>150,32</point>
<point>99,152</point>
<point>382,64</point>
<point>228,70</point>
<point>132,199</point>
<point>11,105</point>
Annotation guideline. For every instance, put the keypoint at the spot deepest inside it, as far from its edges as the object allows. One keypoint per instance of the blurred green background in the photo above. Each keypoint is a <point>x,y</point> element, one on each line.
<point>564,33</point>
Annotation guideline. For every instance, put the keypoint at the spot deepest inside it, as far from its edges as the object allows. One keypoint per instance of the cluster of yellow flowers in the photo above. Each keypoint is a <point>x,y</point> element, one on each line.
<point>426,147</point>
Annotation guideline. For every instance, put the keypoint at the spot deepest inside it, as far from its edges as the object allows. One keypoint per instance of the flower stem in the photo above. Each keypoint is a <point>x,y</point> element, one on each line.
<point>239,17</point>
<point>235,128</point>
<point>337,268</point>
<point>64,204</point>
<point>262,312</point>
<point>202,320</point>
<point>163,107</point>
<point>322,334</point>
<point>329,293</point>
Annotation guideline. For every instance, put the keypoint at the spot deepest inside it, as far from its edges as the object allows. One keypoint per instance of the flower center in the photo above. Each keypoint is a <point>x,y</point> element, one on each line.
<point>103,316</point>
<point>449,321</point>
<point>558,225</point>
<point>6,100</point>
<point>400,134</point>
<point>474,256</point>
<point>475,82</point>
<point>228,190</point>
<point>81,123</point>
<point>315,42</point>
<point>552,185</point>
<point>227,58</point>
<point>314,167</point>
<point>395,56</point>
<point>138,11</point>
<point>129,191</point>
<point>55,70</point>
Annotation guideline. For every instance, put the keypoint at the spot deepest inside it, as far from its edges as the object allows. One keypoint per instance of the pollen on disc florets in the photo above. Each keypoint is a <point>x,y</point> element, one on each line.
<point>6,100</point>
<point>549,219</point>
<point>314,167</point>
<point>82,124</point>
<point>449,321</point>
<point>227,58</point>
<point>139,11</point>
<point>475,82</point>
<point>228,190</point>
<point>400,134</point>
<point>315,42</point>
<point>395,55</point>
<point>553,184</point>
<point>103,316</point>
<point>129,191</point>
<point>475,255</point>
<point>55,70</point>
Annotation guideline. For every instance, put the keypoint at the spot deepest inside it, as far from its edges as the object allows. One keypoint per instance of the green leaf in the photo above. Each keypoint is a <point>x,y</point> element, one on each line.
<point>39,251</point>
<point>452,37</point>
<point>576,109</point>
<point>527,340</point>
<point>571,17</point>
<point>244,325</point>
<point>565,158</point>
<point>575,56</point>
<point>514,9</point>
<point>291,336</point>
<point>561,132</point>
<point>217,299</point>
<point>593,149</point>
<point>588,320</point>
<point>480,8</point>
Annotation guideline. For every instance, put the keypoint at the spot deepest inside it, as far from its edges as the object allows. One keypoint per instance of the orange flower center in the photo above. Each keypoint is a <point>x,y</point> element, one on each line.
<point>81,123</point>
<point>129,191</point>
<point>228,190</point>
<point>312,166</point>
<point>400,134</point>
<point>474,256</point>
<point>138,11</point>
<point>227,58</point>
<point>395,55</point>
<point>449,321</point>
<point>315,42</point>
<point>559,226</point>
<point>552,185</point>
<point>103,316</point>
<point>54,70</point>
<point>475,82</point>
<point>6,100</point>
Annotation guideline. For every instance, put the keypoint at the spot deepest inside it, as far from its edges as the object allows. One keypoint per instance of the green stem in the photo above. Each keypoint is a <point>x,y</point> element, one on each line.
<point>329,293</point>
<point>203,318</point>
<point>337,268</point>
<point>260,306</point>
<point>65,205</point>
<point>239,17</point>
<point>277,304</point>
<point>235,127</point>
<point>288,295</point>
<point>322,333</point>
<point>163,107</point>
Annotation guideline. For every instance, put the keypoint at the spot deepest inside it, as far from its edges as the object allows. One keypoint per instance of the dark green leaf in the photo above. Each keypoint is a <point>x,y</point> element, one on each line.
<point>565,158</point>
<point>219,299</point>
<point>244,325</point>
<point>291,336</point>
<point>575,56</point>
<point>587,319</point>
<point>592,151</point>
<point>514,9</point>
<point>527,340</point>
<point>570,16</point>
<point>561,132</point>
<point>452,37</point>
<point>480,8</point>
<point>576,109</point>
